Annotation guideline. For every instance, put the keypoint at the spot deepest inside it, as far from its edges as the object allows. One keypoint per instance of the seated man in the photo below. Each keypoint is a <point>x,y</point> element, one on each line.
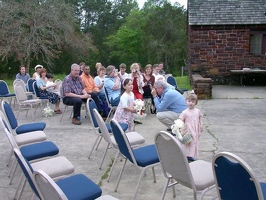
<point>112,84</point>
<point>156,73</point>
<point>90,86</point>
<point>73,92</point>
<point>168,102</point>
<point>22,74</point>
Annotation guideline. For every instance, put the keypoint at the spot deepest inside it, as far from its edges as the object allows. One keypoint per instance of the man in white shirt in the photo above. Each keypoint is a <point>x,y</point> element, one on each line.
<point>156,70</point>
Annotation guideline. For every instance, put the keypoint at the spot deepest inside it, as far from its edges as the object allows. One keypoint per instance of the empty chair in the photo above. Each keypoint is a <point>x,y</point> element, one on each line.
<point>143,158</point>
<point>171,80</point>
<point>134,138</point>
<point>4,92</point>
<point>235,179</point>
<point>196,175</point>
<point>56,167</point>
<point>23,101</point>
<point>24,128</point>
<point>90,104</point>
<point>75,187</point>
<point>30,85</point>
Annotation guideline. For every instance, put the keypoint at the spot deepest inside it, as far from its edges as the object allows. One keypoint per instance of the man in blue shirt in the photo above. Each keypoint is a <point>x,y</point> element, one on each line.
<point>168,102</point>
<point>22,74</point>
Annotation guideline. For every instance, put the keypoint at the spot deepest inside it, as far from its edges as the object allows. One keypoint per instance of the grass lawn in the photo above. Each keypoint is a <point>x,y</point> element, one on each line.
<point>182,82</point>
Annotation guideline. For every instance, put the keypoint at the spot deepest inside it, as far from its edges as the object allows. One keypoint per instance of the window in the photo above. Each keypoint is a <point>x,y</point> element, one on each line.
<point>258,43</point>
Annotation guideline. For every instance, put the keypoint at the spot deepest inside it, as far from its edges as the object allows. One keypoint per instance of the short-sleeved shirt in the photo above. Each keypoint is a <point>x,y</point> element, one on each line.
<point>98,81</point>
<point>24,77</point>
<point>109,83</point>
<point>72,85</point>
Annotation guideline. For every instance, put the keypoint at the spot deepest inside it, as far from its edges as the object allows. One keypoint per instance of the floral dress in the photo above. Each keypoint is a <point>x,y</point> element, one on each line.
<point>193,120</point>
<point>123,116</point>
<point>52,97</point>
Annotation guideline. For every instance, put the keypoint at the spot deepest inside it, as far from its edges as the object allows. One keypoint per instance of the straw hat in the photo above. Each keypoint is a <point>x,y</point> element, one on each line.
<point>38,66</point>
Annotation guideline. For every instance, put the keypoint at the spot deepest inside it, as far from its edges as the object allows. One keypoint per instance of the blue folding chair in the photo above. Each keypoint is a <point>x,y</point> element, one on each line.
<point>29,127</point>
<point>38,95</point>
<point>143,158</point>
<point>171,80</point>
<point>235,179</point>
<point>90,106</point>
<point>30,85</point>
<point>4,92</point>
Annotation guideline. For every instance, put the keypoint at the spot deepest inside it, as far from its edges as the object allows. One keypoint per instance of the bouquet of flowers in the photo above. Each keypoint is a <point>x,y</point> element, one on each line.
<point>47,111</point>
<point>181,132</point>
<point>139,106</point>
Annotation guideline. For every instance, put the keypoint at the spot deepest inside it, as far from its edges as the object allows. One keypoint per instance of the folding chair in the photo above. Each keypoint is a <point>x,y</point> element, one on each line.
<point>142,158</point>
<point>235,179</point>
<point>112,108</point>
<point>30,85</point>
<point>4,92</point>
<point>90,104</point>
<point>56,167</point>
<point>37,93</point>
<point>171,80</point>
<point>134,138</point>
<point>75,187</point>
<point>196,175</point>
<point>23,101</point>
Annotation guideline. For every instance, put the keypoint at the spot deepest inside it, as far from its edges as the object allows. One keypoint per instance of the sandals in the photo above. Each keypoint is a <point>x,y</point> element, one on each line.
<point>58,111</point>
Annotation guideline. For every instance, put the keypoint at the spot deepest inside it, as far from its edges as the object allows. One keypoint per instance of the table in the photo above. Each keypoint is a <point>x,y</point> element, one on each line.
<point>242,73</point>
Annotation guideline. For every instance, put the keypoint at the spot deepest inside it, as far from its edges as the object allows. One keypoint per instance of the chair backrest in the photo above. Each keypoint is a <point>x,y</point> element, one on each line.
<point>46,186</point>
<point>20,93</point>
<point>30,85</point>
<point>3,88</point>
<point>26,169</point>
<point>173,160</point>
<point>19,82</point>
<point>36,89</point>
<point>102,126</point>
<point>122,141</point>
<point>90,106</point>
<point>6,108</point>
<point>171,80</point>
<point>234,178</point>
<point>107,97</point>
<point>7,130</point>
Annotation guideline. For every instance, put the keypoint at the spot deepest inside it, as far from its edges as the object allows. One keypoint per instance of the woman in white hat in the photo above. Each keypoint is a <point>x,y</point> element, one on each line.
<point>37,71</point>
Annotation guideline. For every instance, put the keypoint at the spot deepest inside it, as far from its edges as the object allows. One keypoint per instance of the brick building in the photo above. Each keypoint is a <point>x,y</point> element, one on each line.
<point>226,35</point>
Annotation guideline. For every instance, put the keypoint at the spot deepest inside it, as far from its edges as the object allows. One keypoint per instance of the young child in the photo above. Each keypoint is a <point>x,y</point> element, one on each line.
<point>192,117</point>
<point>50,82</point>
<point>125,109</point>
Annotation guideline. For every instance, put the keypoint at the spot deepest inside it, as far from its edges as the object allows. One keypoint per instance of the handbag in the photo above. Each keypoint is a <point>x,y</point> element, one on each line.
<point>187,137</point>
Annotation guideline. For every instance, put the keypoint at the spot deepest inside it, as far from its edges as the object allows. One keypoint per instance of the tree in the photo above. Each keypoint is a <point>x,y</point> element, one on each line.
<point>32,30</point>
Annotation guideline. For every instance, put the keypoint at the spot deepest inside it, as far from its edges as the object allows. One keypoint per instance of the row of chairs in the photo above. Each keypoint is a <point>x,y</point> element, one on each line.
<point>229,174</point>
<point>49,175</point>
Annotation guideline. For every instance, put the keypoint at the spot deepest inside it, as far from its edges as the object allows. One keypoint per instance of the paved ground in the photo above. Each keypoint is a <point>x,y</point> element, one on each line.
<point>234,121</point>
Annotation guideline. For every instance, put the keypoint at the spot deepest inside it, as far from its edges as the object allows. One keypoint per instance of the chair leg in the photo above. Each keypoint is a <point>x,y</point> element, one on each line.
<point>9,158</point>
<point>113,165</point>
<point>13,174</point>
<point>140,177</point>
<point>96,141</point>
<point>20,188</point>
<point>105,151</point>
<point>120,175</point>
<point>165,188</point>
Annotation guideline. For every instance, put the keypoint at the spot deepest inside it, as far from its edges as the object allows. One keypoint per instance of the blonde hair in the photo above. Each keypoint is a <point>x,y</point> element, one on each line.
<point>134,65</point>
<point>193,97</point>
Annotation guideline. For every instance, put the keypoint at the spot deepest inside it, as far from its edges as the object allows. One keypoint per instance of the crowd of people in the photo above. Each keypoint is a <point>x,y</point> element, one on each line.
<point>122,89</point>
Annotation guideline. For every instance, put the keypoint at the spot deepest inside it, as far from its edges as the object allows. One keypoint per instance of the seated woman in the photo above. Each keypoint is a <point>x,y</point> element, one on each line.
<point>112,84</point>
<point>52,97</point>
<point>148,80</point>
<point>99,82</point>
<point>137,79</point>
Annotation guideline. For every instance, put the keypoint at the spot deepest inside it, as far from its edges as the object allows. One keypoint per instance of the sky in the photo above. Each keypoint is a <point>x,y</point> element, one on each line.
<point>182,2</point>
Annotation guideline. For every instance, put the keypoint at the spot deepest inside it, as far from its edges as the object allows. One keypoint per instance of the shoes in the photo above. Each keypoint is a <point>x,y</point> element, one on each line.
<point>76,121</point>
<point>191,159</point>
<point>137,122</point>
<point>58,111</point>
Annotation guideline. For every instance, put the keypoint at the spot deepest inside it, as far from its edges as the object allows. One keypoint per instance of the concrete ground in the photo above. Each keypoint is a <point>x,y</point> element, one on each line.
<point>234,121</point>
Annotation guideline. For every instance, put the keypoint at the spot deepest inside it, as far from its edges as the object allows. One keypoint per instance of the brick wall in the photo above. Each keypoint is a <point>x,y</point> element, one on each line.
<point>215,50</point>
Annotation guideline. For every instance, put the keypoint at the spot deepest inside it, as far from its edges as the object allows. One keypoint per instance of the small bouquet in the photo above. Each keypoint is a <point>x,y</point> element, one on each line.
<point>47,111</point>
<point>181,132</point>
<point>139,106</point>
